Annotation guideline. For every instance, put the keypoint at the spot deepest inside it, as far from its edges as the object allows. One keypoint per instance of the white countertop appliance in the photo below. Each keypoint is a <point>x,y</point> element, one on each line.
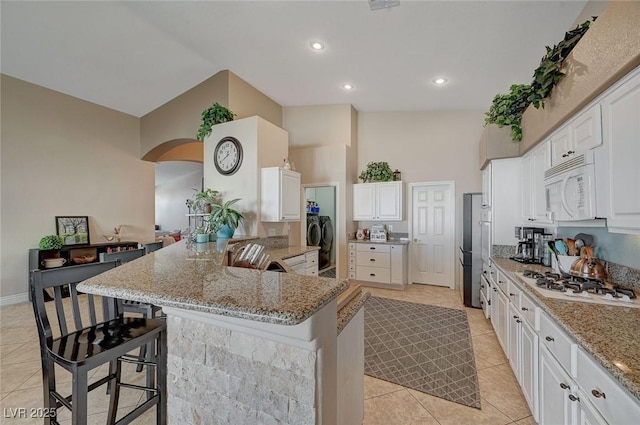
<point>378,233</point>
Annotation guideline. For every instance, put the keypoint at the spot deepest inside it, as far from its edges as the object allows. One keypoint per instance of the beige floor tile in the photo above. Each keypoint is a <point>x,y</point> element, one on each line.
<point>8,348</point>
<point>478,324</point>
<point>18,334</point>
<point>499,387</point>
<point>13,376</point>
<point>36,379</point>
<point>450,413</point>
<point>27,352</point>
<point>374,387</point>
<point>527,421</point>
<point>25,400</point>
<point>487,349</point>
<point>396,408</point>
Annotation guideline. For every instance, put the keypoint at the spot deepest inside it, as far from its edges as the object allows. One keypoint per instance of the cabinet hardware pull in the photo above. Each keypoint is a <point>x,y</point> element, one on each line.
<point>484,272</point>
<point>500,281</point>
<point>573,398</point>
<point>571,152</point>
<point>549,338</point>
<point>481,286</point>
<point>598,394</point>
<point>525,309</point>
<point>515,317</point>
<point>372,274</point>
<point>495,289</point>
<point>564,386</point>
<point>489,302</point>
<point>518,321</point>
<point>372,259</point>
<point>481,302</point>
<point>512,294</point>
<point>373,247</point>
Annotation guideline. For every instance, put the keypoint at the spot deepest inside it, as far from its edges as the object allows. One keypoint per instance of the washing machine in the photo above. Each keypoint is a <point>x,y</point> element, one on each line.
<point>313,230</point>
<point>326,241</point>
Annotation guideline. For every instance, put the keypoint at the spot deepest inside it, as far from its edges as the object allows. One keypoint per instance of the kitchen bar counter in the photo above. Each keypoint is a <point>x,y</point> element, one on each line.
<point>608,333</point>
<point>181,277</point>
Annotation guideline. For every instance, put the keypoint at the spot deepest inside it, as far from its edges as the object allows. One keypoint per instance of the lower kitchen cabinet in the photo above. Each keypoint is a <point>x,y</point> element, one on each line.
<point>529,367</point>
<point>499,311</point>
<point>376,264</point>
<point>555,388</point>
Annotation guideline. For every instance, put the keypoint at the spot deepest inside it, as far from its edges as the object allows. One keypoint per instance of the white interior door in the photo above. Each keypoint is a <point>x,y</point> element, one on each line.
<point>432,259</point>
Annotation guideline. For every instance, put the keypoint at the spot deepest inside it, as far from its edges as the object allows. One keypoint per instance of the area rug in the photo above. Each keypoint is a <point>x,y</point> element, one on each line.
<point>423,347</point>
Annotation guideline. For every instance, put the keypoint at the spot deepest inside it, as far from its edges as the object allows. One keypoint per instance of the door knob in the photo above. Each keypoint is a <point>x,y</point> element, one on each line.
<point>415,240</point>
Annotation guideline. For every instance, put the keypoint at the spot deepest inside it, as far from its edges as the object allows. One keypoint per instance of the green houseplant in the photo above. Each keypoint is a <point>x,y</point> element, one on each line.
<point>50,243</point>
<point>201,234</point>
<point>225,219</point>
<point>214,114</point>
<point>201,200</point>
<point>377,171</point>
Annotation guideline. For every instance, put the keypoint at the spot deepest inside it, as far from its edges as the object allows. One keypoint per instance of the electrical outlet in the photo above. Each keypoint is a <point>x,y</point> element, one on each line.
<point>272,231</point>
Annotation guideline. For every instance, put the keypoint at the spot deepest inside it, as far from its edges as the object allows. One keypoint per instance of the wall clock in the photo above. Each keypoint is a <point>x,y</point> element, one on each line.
<point>228,155</point>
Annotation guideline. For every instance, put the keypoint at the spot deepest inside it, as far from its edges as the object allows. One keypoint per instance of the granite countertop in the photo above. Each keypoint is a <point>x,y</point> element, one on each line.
<point>193,278</point>
<point>387,242</point>
<point>608,333</point>
<point>346,313</point>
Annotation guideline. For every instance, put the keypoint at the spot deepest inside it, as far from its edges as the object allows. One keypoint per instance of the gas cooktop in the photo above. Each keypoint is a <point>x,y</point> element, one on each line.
<point>565,287</point>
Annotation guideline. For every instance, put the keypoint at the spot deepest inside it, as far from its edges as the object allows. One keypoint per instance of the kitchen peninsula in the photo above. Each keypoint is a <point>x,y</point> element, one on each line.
<point>244,346</point>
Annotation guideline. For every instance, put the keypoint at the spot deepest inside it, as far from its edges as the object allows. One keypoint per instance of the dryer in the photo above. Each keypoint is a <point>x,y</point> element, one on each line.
<point>326,241</point>
<point>314,231</point>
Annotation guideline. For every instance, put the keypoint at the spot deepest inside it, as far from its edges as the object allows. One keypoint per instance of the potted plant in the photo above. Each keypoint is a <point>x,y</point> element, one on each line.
<point>214,114</point>
<point>201,200</point>
<point>201,235</point>
<point>377,171</point>
<point>50,247</point>
<point>225,219</point>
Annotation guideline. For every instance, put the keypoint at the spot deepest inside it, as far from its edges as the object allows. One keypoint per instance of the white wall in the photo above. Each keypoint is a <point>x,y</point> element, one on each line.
<point>66,156</point>
<point>171,196</point>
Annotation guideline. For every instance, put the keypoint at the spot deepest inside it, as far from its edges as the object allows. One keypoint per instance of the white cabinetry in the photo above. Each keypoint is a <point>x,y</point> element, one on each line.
<point>501,192</point>
<point>311,263</point>
<point>555,388</point>
<point>534,164</point>
<point>280,195</point>
<point>378,264</point>
<point>621,129</point>
<point>582,133</point>
<point>499,311</point>
<point>377,201</point>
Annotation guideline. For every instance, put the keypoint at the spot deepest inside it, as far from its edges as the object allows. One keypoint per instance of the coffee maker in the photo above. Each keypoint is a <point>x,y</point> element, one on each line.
<point>530,248</point>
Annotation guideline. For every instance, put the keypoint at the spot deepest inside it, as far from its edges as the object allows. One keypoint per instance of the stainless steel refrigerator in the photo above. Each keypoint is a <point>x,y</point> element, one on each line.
<point>470,253</point>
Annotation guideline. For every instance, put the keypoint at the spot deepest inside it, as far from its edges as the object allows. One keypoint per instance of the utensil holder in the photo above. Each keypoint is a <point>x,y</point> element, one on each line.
<point>566,261</point>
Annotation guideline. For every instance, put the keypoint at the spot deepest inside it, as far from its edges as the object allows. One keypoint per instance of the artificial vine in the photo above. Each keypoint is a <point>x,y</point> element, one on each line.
<point>507,109</point>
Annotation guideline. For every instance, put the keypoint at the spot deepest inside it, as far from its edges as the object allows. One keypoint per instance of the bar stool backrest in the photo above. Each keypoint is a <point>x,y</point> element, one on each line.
<point>83,309</point>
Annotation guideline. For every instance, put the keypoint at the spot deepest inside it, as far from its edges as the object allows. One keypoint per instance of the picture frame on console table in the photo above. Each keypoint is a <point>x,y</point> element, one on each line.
<point>74,230</point>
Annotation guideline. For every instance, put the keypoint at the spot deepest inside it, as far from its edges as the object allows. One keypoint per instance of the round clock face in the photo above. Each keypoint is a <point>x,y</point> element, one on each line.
<point>228,155</point>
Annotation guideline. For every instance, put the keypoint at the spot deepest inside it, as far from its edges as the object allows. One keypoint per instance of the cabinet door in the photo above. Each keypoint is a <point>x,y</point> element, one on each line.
<point>486,186</point>
<point>389,201</point>
<point>540,162</point>
<point>621,125</point>
<point>514,329</point>
<point>555,387</point>
<point>529,367</point>
<point>499,310</point>
<point>561,145</point>
<point>526,188</point>
<point>397,264</point>
<point>587,414</point>
<point>364,201</point>
<point>586,130</point>
<point>290,198</point>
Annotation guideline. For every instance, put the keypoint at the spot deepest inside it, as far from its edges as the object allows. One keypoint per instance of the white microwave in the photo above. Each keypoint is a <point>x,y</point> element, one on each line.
<point>570,189</point>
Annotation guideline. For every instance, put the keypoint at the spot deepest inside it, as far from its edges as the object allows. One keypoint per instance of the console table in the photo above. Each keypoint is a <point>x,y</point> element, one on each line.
<point>68,252</point>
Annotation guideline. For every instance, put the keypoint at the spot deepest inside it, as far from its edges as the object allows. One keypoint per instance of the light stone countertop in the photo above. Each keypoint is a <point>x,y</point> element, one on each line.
<point>387,242</point>
<point>194,279</point>
<point>347,312</point>
<point>608,333</point>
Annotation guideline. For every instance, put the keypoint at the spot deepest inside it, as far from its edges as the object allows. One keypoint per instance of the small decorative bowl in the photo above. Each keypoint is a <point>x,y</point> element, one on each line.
<point>84,259</point>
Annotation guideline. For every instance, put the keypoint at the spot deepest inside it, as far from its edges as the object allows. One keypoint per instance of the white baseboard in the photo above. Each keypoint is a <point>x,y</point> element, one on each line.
<point>14,299</point>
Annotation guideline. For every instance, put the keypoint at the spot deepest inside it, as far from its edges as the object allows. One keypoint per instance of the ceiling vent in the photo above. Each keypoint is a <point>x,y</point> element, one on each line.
<point>383,4</point>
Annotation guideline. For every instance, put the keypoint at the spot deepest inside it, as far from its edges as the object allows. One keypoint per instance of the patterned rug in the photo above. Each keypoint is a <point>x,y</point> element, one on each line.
<point>329,272</point>
<point>423,347</point>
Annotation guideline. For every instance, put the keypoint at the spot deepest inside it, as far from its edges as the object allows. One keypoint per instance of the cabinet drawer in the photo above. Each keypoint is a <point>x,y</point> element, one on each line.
<point>502,282</point>
<point>352,252</point>
<point>352,246</point>
<point>558,342</point>
<point>513,292</point>
<point>373,274</point>
<point>373,259</point>
<point>311,259</point>
<point>352,275</point>
<point>370,247</point>
<point>614,403</point>
<point>528,311</point>
<point>313,271</point>
<point>484,286</point>
<point>352,260</point>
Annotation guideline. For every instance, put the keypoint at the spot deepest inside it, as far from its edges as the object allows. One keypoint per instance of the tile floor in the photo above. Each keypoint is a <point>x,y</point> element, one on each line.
<point>385,403</point>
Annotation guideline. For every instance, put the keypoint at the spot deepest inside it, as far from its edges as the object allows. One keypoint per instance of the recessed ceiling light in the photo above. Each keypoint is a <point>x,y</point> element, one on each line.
<point>347,86</point>
<point>316,45</point>
<point>440,81</point>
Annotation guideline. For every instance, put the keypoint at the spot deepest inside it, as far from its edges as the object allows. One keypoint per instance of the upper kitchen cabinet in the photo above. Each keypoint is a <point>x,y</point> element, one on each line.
<point>486,187</point>
<point>377,201</point>
<point>502,191</point>
<point>621,133</point>
<point>534,164</point>
<point>582,133</point>
<point>280,195</point>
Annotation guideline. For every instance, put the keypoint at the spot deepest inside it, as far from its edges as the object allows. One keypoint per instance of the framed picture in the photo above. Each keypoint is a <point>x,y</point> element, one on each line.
<point>74,230</point>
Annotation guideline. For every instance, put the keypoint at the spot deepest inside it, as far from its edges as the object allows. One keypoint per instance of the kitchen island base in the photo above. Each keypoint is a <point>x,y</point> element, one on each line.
<point>229,370</point>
